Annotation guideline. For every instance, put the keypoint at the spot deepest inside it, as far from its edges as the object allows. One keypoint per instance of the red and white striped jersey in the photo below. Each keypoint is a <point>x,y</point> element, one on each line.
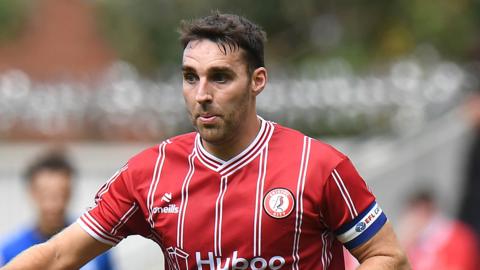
<point>286,202</point>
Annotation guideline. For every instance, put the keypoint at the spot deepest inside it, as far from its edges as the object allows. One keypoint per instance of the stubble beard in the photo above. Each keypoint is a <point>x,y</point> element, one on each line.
<point>227,127</point>
<point>215,134</point>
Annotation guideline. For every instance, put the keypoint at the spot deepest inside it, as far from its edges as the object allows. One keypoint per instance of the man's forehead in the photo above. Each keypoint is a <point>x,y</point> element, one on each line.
<point>223,47</point>
<point>206,51</point>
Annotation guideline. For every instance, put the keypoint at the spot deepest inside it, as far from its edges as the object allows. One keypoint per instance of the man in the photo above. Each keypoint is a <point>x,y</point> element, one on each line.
<point>49,181</point>
<point>241,192</point>
<point>435,241</point>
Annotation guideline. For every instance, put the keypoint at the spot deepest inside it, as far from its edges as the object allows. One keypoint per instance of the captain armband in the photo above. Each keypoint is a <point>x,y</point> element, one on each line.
<point>362,228</point>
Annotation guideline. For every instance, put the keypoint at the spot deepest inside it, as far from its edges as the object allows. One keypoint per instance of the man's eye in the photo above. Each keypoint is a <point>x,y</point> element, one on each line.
<point>189,77</point>
<point>220,78</point>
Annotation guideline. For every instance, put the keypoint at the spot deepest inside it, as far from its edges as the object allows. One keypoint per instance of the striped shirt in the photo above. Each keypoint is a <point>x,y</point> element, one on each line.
<point>286,202</point>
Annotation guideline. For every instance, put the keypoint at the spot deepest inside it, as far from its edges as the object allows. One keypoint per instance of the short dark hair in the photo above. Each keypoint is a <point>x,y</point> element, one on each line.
<point>52,161</point>
<point>228,30</point>
<point>423,194</point>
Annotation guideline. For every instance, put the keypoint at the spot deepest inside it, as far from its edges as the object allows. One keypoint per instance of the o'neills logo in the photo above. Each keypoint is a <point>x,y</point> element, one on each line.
<point>238,263</point>
<point>279,203</point>
<point>170,209</point>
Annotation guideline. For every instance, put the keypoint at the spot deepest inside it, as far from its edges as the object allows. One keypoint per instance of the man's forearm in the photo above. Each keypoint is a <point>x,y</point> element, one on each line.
<point>40,256</point>
<point>70,249</point>
<point>399,262</point>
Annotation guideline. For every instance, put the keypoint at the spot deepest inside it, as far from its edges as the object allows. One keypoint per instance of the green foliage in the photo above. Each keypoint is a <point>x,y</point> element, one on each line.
<point>367,31</point>
<point>364,32</point>
<point>13,15</point>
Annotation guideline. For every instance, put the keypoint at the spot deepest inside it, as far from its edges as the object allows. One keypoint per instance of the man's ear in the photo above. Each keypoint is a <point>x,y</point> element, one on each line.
<point>259,80</point>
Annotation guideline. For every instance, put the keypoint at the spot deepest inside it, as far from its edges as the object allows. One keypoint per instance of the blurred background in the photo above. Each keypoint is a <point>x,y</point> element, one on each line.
<point>393,84</point>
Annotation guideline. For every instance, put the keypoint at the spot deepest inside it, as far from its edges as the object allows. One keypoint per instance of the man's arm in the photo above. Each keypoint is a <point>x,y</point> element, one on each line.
<point>382,251</point>
<point>70,249</point>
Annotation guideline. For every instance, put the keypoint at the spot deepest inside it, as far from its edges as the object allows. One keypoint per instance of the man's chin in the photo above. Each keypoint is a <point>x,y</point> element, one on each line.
<point>206,128</point>
<point>210,135</point>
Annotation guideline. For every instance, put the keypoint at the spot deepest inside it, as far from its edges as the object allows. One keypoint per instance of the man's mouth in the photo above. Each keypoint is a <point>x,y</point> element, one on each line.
<point>207,118</point>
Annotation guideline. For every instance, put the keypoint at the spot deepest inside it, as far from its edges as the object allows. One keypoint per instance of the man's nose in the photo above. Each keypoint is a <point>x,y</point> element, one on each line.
<point>204,93</point>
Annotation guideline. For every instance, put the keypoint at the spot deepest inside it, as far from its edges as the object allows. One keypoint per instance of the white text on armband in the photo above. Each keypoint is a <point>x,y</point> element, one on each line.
<point>362,225</point>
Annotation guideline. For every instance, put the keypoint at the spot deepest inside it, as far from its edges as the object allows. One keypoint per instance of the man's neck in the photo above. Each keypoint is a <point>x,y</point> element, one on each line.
<point>236,144</point>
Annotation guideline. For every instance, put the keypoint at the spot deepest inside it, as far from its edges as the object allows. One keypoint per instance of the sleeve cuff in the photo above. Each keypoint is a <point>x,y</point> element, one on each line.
<point>94,229</point>
<point>362,228</point>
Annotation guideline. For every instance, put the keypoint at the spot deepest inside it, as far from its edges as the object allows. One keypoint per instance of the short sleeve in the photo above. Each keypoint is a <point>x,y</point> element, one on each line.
<point>349,208</point>
<point>116,213</point>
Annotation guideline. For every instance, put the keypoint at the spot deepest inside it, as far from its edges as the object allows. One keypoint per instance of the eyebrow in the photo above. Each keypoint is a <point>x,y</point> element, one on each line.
<point>187,68</point>
<point>222,69</point>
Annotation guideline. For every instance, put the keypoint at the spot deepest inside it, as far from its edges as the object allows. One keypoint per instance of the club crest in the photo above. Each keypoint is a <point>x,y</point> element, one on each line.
<point>279,203</point>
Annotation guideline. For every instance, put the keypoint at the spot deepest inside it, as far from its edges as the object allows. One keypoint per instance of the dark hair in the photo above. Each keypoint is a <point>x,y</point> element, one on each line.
<point>52,161</point>
<point>228,30</point>
<point>423,194</point>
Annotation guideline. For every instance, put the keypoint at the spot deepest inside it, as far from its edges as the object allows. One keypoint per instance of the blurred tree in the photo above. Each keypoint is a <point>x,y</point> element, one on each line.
<point>364,33</point>
<point>12,17</point>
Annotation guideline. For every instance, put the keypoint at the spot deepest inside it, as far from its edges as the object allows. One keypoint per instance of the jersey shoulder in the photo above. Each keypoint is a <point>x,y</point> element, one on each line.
<point>183,142</point>
<point>147,159</point>
<point>320,151</point>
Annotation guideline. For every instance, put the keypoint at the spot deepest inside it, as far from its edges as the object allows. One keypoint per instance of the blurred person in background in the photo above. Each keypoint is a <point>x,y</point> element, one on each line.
<point>239,193</point>
<point>433,240</point>
<point>470,202</point>
<point>49,180</point>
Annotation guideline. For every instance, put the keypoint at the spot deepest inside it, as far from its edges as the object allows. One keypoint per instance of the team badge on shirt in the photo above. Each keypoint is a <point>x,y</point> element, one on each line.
<point>279,202</point>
